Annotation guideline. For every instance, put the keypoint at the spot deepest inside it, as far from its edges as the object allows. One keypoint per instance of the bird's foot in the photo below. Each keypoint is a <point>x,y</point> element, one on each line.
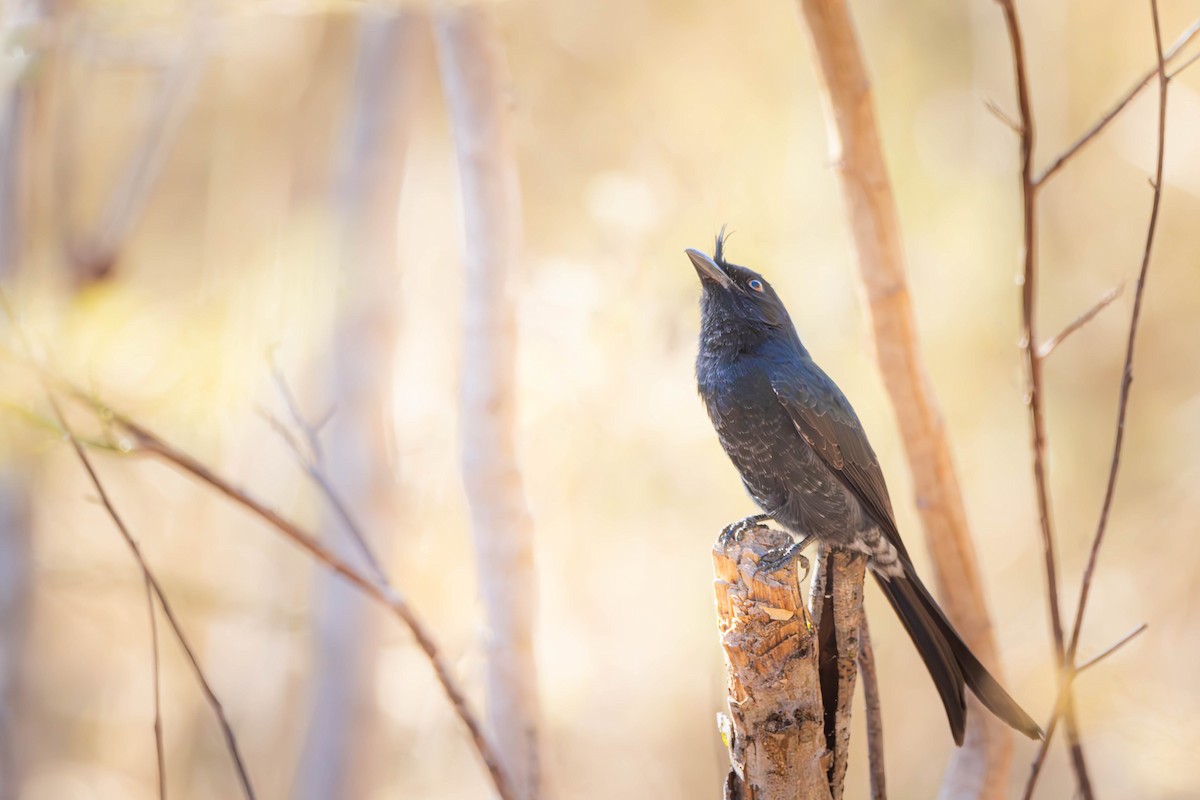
<point>733,531</point>
<point>775,560</point>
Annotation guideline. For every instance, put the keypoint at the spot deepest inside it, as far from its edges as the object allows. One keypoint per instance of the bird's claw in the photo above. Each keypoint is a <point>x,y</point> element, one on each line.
<point>775,560</point>
<point>734,531</point>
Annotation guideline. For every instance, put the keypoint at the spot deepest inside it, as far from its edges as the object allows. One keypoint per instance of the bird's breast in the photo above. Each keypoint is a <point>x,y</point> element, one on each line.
<point>781,471</point>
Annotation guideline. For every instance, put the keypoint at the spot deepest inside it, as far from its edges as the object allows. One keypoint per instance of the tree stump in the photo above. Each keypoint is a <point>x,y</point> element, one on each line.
<point>775,729</point>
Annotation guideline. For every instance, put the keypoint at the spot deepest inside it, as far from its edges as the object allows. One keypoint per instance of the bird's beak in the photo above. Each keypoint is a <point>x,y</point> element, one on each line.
<point>707,268</point>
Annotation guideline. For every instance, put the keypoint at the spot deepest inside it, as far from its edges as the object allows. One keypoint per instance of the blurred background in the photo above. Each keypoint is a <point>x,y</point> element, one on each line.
<point>191,198</point>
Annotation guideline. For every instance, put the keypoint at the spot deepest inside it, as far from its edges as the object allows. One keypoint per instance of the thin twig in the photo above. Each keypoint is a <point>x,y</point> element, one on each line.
<point>871,702</point>
<point>316,473</point>
<point>999,114</point>
<point>147,442</point>
<point>1124,640</point>
<point>1029,322</point>
<point>226,729</point>
<point>1063,705</point>
<point>1035,397</point>
<point>1127,370</point>
<point>1102,123</point>
<point>1048,347</point>
<point>312,433</point>
<point>1185,64</point>
<point>159,750</point>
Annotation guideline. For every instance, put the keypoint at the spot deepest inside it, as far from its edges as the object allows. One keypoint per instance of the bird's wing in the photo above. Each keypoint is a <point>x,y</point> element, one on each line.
<point>824,418</point>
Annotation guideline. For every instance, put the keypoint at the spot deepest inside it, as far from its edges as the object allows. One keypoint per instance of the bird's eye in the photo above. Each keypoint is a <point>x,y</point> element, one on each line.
<point>756,285</point>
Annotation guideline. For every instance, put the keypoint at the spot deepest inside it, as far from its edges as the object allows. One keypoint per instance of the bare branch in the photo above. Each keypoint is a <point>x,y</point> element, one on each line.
<point>1192,31</point>
<point>1127,371</point>
<point>144,440</point>
<point>1048,347</point>
<point>1124,640</point>
<point>1034,399</point>
<point>1064,705</point>
<point>315,470</point>
<point>1029,278</point>
<point>1185,64</point>
<point>981,768</point>
<point>871,703</point>
<point>1033,360</point>
<point>226,729</point>
<point>312,433</point>
<point>159,750</point>
<point>999,114</point>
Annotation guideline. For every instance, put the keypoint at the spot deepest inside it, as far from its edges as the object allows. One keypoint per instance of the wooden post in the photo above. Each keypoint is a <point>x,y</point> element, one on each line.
<point>780,744</point>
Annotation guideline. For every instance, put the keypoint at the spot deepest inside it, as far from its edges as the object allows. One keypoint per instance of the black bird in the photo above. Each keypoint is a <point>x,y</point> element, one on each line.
<point>806,462</point>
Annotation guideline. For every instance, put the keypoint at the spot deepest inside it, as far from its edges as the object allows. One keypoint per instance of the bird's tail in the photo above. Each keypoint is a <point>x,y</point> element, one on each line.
<point>950,662</point>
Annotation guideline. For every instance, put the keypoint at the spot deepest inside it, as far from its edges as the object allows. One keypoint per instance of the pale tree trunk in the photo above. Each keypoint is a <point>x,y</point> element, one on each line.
<point>15,590</point>
<point>340,746</point>
<point>475,81</point>
<point>19,17</point>
<point>981,767</point>
<point>16,532</point>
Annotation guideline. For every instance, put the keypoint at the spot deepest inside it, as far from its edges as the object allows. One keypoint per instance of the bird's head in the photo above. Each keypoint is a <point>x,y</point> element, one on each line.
<point>738,308</point>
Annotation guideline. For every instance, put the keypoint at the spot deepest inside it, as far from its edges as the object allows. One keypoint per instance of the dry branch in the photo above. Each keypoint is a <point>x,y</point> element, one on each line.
<point>1108,651</point>
<point>474,77</point>
<point>980,768</point>
<point>159,749</point>
<point>1131,342</point>
<point>836,605</point>
<point>776,732</point>
<point>1034,398</point>
<point>1063,706</point>
<point>1099,125</point>
<point>1034,354</point>
<point>874,714</point>
<point>142,440</point>
<point>177,629</point>
<point>1050,345</point>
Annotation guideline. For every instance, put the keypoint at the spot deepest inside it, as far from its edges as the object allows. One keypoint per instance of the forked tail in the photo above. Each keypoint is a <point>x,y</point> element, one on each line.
<point>950,662</point>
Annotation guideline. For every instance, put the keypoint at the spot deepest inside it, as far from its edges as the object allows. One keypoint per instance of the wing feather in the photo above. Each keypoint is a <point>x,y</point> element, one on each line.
<point>825,420</point>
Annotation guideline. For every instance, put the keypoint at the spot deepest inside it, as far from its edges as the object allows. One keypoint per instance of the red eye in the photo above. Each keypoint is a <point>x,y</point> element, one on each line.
<point>756,285</point>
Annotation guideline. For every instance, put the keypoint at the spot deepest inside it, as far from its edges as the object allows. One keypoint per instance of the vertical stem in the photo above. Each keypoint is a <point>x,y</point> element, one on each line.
<point>16,524</point>
<point>847,571</point>
<point>474,78</point>
<point>1065,704</point>
<point>358,373</point>
<point>16,562</point>
<point>156,672</point>
<point>980,768</point>
<point>874,714</point>
<point>1029,343</point>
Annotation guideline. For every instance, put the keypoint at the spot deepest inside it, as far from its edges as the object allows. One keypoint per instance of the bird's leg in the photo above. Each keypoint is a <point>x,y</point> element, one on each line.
<point>777,559</point>
<point>734,530</point>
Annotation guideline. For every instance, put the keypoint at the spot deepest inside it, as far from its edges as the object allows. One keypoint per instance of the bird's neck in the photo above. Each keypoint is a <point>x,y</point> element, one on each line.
<point>725,338</point>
